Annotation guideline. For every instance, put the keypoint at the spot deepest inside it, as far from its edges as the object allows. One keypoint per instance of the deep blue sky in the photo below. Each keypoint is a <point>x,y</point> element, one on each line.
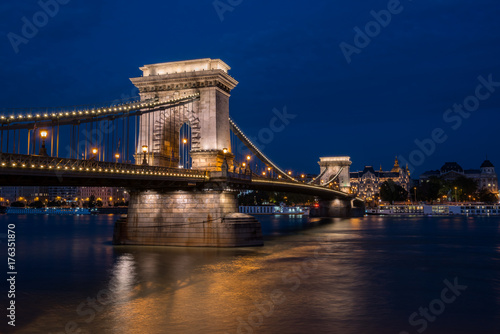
<point>283,53</point>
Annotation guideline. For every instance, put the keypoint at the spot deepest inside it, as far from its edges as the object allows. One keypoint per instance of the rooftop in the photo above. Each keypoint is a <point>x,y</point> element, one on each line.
<point>205,64</point>
<point>486,163</point>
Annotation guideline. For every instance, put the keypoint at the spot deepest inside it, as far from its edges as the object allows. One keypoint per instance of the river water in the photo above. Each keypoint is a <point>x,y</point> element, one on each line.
<point>360,275</point>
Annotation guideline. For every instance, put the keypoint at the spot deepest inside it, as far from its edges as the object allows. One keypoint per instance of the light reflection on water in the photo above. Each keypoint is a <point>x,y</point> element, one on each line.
<point>359,275</point>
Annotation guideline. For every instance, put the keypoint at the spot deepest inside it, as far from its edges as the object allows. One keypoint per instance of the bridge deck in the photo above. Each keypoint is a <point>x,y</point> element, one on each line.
<point>35,170</point>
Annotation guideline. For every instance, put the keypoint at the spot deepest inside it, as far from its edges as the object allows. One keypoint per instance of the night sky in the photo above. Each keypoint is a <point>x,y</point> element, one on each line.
<point>396,88</point>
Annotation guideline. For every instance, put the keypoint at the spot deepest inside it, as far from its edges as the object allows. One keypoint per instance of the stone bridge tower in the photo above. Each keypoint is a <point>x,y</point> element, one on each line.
<point>188,216</point>
<point>339,167</point>
<point>208,116</point>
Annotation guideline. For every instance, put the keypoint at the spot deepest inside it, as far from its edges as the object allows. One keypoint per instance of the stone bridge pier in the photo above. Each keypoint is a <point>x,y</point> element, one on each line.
<point>339,208</point>
<point>200,218</point>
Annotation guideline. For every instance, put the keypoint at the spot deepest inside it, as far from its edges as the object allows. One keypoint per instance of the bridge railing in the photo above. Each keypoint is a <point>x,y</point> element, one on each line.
<point>38,162</point>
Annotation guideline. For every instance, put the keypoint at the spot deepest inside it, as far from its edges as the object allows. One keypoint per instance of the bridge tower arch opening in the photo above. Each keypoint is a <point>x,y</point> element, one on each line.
<point>208,116</point>
<point>185,134</point>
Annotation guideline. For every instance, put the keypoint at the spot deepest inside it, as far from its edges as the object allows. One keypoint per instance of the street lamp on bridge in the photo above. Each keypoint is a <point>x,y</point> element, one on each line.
<point>43,150</point>
<point>94,153</point>
<point>117,156</point>
<point>145,152</point>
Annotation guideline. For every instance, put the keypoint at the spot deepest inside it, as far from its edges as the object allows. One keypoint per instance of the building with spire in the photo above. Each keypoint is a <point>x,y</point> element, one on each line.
<point>366,184</point>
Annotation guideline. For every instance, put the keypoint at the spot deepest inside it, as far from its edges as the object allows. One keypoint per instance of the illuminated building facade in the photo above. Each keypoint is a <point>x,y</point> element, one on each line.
<point>366,184</point>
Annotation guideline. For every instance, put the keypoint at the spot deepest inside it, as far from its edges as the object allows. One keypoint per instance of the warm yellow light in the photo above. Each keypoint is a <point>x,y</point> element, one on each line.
<point>264,173</point>
<point>302,176</point>
<point>111,198</point>
<point>289,172</point>
<point>224,150</point>
<point>248,157</point>
<point>94,151</point>
<point>117,155</point>
<point>184,141</point>
<point>244,164</point>
<point>269,169</point>
<point>44,133</point>
<point>145,148</point>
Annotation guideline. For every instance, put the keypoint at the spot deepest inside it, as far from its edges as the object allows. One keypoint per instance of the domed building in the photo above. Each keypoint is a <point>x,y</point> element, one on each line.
<point>488,179</point>
<point>485,176</point>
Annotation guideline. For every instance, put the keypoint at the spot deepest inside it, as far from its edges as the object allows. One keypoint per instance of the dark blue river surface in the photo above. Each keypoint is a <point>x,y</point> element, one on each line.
<point>360,275</point>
